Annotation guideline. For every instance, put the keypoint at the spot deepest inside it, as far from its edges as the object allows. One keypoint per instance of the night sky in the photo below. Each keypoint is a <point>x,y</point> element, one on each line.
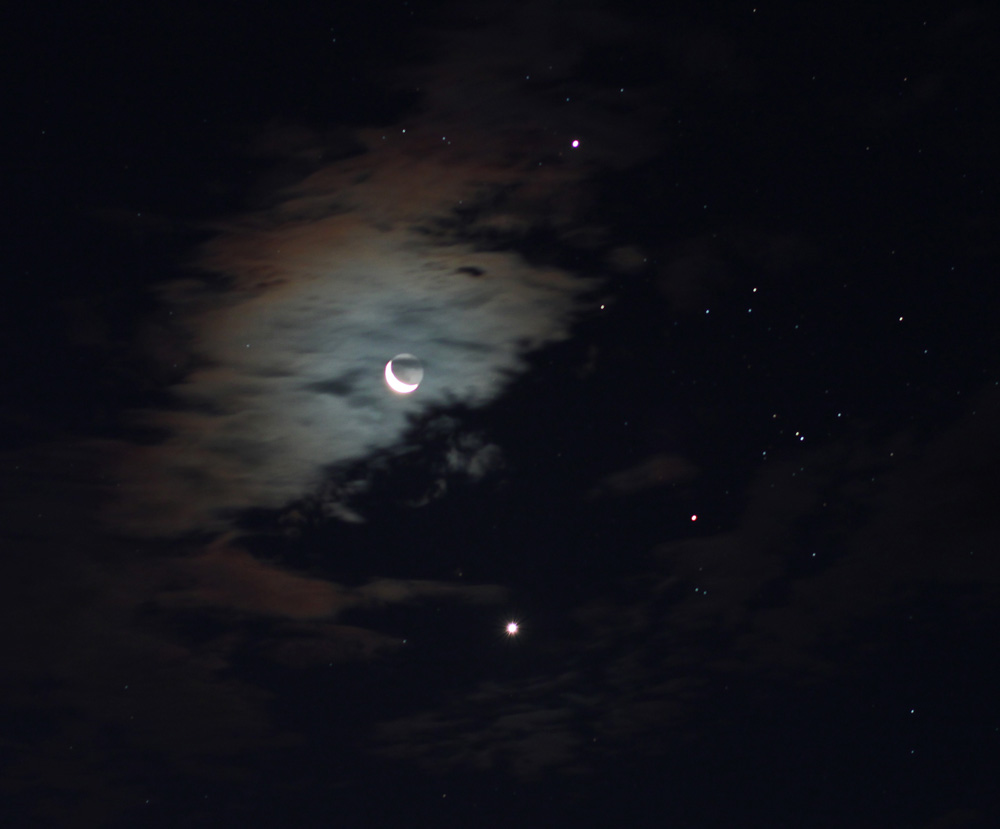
<point>706,300</point>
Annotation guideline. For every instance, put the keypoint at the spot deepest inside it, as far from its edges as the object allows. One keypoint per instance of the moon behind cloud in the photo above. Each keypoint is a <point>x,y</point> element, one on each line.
<point>409,369</point>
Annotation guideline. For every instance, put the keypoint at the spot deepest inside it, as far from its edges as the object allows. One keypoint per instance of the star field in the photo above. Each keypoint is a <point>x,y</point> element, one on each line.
<point>689,518</point>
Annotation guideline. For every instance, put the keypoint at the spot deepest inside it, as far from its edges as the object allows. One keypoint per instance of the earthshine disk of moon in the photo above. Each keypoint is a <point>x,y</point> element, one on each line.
<point>403,373</point>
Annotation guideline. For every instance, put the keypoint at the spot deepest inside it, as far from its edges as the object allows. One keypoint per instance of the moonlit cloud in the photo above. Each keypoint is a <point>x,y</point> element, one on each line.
<point>349,270</point>
<point>408,244</point>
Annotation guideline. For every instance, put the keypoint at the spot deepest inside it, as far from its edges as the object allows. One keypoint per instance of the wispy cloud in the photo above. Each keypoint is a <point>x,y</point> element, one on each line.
<point>405,242</point>
<point>356,265</point>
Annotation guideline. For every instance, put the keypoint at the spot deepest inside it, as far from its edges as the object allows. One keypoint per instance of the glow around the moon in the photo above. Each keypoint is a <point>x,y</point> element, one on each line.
<point>403,373</point>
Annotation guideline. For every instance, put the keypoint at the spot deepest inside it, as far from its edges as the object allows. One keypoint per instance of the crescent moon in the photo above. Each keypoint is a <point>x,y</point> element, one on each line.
<point>395,383</point>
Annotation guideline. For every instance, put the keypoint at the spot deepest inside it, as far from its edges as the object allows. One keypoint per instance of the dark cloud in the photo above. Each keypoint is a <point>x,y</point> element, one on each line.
<point>659,470</point>
<point>845,535</point>
<point>127,649</point>
<point>224,576</point>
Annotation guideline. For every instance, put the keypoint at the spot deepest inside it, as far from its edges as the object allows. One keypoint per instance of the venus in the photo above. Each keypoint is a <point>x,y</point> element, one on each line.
<point>403,373</point>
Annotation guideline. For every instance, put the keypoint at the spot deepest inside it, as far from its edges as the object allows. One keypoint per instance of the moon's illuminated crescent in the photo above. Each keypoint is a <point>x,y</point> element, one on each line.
<point>395,383</point>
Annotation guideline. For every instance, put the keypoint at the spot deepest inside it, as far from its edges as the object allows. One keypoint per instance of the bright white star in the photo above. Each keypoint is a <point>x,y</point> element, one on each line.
<point>512,628</point>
